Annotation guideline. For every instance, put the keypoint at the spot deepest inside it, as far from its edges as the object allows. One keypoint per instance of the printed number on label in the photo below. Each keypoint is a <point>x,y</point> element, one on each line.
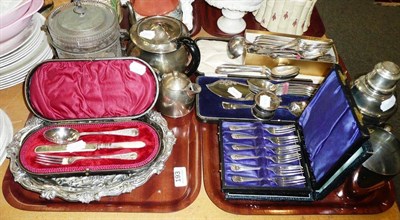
<point>180,178</point>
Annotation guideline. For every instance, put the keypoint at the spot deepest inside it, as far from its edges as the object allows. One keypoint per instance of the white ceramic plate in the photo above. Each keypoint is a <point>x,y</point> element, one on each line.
<point>8,5</point>
<point>16,42</point>
<point>26,60</point>
<point>23,51</point>
<point>21,77</point>
<point>16,73</point>
<point>6,134</point>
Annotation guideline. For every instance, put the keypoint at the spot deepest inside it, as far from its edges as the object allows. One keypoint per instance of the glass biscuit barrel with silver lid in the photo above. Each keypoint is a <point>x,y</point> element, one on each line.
<point>85,29</point>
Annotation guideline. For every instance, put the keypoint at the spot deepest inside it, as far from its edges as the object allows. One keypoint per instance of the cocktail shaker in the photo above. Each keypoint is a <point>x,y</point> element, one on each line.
<point>374,93</point>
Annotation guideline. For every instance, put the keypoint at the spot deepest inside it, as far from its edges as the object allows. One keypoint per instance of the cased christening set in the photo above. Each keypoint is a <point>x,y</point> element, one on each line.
<point>107,105</point>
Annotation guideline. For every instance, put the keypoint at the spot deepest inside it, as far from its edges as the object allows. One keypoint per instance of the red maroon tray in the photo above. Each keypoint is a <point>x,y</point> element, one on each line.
<point>337,202</point>
<point>157,195</point>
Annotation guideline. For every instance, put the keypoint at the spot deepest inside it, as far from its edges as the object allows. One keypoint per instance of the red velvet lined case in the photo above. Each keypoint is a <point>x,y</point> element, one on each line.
<point>92,95</point>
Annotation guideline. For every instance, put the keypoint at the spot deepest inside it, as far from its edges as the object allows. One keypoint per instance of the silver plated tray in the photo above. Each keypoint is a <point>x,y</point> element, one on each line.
<point>86,189</point>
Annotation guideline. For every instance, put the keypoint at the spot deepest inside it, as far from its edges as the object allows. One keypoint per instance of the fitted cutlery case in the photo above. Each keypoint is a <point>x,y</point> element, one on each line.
<point>209,102</point>
<point>313,67</point>
<point>327,142</point>
<point>209,105</point>
<point>100,95</point>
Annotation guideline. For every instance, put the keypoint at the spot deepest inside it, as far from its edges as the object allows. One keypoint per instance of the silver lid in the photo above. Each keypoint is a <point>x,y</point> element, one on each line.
<point>158,34</point>
<point>83,26</point>
<point>384,77</point>
<point>175,81</point>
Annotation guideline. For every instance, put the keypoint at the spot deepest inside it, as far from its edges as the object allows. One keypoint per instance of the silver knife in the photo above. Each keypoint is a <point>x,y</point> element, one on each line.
<point>231,89</point>
<point>81,146</point>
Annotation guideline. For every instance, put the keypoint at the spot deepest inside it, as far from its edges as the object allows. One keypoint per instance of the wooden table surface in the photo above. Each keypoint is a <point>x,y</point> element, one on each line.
<point>12,102</point>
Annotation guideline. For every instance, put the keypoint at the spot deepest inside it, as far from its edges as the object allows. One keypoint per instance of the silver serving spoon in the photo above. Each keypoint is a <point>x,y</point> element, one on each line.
<point>64,135</point>
<point>277,73</point>
<point>236,46</point>
<point>295,108</point>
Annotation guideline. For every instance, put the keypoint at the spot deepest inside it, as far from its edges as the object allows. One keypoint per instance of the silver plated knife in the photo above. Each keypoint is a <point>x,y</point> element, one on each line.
<point>231,89</point>
<point>81,146</point>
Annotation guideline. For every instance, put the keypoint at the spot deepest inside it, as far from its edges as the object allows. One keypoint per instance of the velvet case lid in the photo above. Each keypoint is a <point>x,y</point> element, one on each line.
<point>80,90</point>
<point>333,140</point>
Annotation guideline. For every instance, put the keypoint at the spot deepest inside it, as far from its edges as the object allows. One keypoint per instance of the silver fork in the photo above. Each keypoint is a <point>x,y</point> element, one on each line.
<point>279,140</point>
<point>291,89</point>
<point>46,159</point>
<point>284,129</point>
<point>280,170</point>
<point>280,181</point>
<point>279,159</point>
<point>276,130</point>
<point>283,140</point>
<point>286,149</point>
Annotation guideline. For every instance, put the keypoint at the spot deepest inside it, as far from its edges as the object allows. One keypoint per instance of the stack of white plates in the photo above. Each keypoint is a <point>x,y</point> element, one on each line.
<point>6,134</point>
<point>22,52</point>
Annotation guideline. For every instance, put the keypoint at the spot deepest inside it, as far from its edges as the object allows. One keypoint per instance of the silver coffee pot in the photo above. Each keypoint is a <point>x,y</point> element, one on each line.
<point>374,93</point>
<point>177,95</point>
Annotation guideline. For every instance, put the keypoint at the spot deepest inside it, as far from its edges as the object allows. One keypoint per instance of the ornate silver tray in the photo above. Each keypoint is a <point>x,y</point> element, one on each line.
<point>86,189</point>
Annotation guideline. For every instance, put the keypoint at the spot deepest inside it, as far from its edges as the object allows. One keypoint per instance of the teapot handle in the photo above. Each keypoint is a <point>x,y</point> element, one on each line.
<point>194,52</point>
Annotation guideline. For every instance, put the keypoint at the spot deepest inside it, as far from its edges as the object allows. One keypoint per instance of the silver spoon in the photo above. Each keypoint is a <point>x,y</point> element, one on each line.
<point>64,135</point>
<point>277,73</point>
<point>236,46</point>
<point>295,108</point>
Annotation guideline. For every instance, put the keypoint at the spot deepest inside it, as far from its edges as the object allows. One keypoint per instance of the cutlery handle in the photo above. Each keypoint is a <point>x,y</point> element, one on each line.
<point>127,156</point>
<point>233,68</point>
<point>126,145</point>
<point>130,132</point>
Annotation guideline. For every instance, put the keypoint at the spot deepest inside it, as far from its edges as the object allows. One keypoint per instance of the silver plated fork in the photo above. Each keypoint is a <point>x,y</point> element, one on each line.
<point>279,140</point>
<point>46,159</point>
<point>275,130</point>
<point>280,170</point>
<point>278,159</point>
<point>283,140</point>
<point>283,129</point>
<point>283,89</point>
<point>280,181</point>
<point>286,149</point>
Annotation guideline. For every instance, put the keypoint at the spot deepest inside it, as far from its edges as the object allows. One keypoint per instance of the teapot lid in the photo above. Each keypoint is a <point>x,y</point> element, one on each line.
<point>83,23</point>
<point>158,34</point>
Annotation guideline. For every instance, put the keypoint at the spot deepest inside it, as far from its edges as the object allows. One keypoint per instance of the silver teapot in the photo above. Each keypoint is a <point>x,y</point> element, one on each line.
<point>177,95</point>
<point>164,42</point>
<point>374,93</point>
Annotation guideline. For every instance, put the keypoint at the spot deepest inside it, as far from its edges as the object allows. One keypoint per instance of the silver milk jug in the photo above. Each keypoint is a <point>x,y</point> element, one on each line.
<point>374,93</point>
<point>177,95</point>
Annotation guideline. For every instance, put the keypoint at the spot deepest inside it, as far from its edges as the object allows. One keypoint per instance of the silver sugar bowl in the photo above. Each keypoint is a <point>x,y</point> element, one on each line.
<point>374,93</point>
